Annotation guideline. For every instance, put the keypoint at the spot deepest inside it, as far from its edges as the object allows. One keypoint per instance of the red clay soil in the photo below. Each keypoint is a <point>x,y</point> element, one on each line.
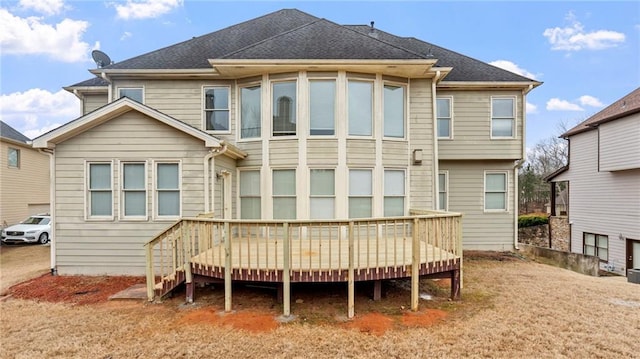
<point>249,320</point>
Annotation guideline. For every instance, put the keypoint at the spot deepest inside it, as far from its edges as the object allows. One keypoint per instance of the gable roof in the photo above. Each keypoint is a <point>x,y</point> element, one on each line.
<point>10,133</point>
<point>625,106</point>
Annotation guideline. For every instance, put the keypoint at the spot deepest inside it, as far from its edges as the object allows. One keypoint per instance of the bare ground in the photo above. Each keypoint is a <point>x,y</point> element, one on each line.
<point>21,262</point>
<point>511,307</point>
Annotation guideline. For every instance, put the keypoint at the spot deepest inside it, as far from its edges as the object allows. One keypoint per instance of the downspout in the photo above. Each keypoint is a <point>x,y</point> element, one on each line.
<point>52,207</point>
<point>436,165</point>
<point>517,166</point>
<point>210,185</point>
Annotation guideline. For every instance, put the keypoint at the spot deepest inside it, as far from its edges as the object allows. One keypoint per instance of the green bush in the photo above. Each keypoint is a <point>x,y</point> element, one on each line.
<point>530,220</point>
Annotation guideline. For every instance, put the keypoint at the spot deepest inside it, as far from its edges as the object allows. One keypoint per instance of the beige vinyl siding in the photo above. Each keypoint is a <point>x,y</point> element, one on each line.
<point>254,153</point>
<point>91,102</point>
<point>471,111</point>
<point>481,230</point>
<point>620,144</point>
<point>395,153</point>
<point>601,202</point>
<point>361,152</point>
<point>283,153</point>
<point>420,118</point>
<point>322,152</point>
<point>24,190</point>
<point>130,137</point>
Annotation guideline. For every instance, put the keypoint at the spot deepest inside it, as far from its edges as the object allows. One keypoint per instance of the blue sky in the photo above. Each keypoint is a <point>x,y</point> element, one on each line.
<point>586,53</point>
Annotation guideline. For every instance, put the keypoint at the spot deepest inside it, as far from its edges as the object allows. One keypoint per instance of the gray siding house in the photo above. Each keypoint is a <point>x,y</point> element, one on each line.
<point>251,122</point>
<point>604,185</point>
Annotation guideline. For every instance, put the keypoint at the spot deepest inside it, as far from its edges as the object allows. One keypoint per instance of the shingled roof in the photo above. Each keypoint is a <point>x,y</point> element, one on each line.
<point>625,106</point>
<point>293,34</point>
<point>9,132</point>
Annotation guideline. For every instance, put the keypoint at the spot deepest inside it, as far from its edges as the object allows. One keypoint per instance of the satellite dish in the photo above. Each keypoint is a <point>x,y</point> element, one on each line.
<point>100,58</point>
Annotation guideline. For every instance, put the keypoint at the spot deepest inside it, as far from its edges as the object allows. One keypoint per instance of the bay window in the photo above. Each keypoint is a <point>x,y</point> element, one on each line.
<point>360,193</point>
<point>322,102</point>
<point>394,193</point>
<point>284,108</point>
<point>322,194</point>
<point>393,111</point>
<point>250,204</point>
<point>284,194</point>
<point>360,104</point>
<point>250,112</point>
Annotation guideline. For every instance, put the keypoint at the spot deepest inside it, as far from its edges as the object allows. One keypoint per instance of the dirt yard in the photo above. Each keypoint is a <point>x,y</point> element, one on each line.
<point>511,307</point>
<point>21,262</point>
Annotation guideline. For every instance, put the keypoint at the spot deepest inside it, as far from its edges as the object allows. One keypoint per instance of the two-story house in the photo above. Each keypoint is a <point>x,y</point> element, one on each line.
<point>286,116</point>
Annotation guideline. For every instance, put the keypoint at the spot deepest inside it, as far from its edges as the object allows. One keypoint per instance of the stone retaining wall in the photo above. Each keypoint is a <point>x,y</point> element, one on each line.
<point>538,236</point>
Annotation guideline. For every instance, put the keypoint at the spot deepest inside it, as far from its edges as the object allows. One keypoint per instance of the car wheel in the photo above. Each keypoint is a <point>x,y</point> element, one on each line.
<point>43,239</point>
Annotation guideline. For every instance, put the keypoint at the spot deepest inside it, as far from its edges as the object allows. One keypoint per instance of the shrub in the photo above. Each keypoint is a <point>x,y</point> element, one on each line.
<point>530,220</point>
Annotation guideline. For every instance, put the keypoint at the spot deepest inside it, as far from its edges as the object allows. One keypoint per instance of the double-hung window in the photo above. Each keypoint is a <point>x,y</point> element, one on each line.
<point>216,108</point>
<point>322,104</point>
<point>284,194</point>
<point>322,194</point>
<point>360,104</point>
<point>134,190</point>
<point>250,112</point>
<point>443,109</point>
<point>99,190</point>
<point>167,196</point>
<point>394,193</point>
<point>13,157</point>
<point>596,245</point>
<point>495,191</point>
<point>360,193</point>
<point>250,194</point>
<point>502,117</point>
<point>134,93</point>
<point>284,108</point>
<point>393,111</point>
<point>443,183</point>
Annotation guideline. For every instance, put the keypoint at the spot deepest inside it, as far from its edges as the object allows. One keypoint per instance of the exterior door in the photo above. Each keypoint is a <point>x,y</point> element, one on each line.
<point>633,253</point>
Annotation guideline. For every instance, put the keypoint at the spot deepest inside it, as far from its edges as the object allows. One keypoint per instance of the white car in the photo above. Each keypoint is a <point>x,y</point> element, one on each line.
<point>31,230</point>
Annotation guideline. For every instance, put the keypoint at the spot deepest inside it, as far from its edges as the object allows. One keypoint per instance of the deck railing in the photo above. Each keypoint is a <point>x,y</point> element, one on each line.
<point>298,248</point>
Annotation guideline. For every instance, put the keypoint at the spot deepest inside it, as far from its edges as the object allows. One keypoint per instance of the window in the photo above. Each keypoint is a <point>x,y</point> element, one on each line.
<point>360,108</point>
<point>443,108</point>
<point>134,93</point>
<point>250,195</point>
<point>134,190</point>
<point>596,245</point>
<point>168,189</point>
<point>284,194</point>
<point>100,189</point>
<point>322,194</point>
<point>502,117</point>
<point>250,112</point>
<point>284,108</point>
<point>322,102</point>
<point>442,191</point>
<point>393,193</point>
<point>216,108</point>
<point>360,193</point>
<point>13,157</point>
<point>393,111</point>
<point>495,191</point>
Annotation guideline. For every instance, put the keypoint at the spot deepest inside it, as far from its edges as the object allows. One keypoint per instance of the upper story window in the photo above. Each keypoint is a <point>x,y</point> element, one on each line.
<point>443,184</point>
<point>284,108</point>
<point>394,193</point>
<point>216,108</point>
<point>13,157</point>
<point>167,196</point>
<point>284,194</point>
<point>322,107</point>
<point>360,193</point>
<point>250,112</point>
<point>495,191</point>
<point>134,93</point>
<point>134,190</point>
<point>250,194</point>
<point>443,108</point>
<point>360,108</point>
<point>99,191</point>
<point>393,111</point>
<point>502,117</point>
<point>322,194</point>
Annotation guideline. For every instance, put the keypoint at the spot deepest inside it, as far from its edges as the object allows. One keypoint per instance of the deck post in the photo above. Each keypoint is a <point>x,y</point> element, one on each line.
<point>351,275</point>
<point>227,268</point>
<point>460,251</point>
<point>377,290</point>
<point>286,272</point>
<point>151,282</point>
<point>186,253</point>
<point>415,266</point>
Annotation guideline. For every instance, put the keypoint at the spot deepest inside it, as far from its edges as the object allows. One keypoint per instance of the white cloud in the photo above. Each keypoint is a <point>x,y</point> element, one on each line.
<point>145,9</point>
<point>510,66</point>
<point>30,36</point>
<point>125,36</point>
<point>46,7</point>
<point>556,104</point>
<point>531,108</point>
<point>574,37</point>
<point>37,111</point>
<point>587,100</point>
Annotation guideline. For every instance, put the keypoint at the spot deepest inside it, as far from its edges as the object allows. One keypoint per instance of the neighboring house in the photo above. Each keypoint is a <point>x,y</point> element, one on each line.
<point>284,116</point>
<point>603,176</point>
<point>24,177</point>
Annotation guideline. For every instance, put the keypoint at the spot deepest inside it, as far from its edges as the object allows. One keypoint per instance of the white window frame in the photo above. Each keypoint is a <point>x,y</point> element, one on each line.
<point>404,110</point>
<point>335,105</point>
<point>597,248</point>
<point>372,190</point>
<point>404,194</point>
<point>293,196</point>
<point>506,192</point>
<point>156,215</point>
<point>445,173</point>
<point>373,106</point>
<point>131,88</point>
<point>513,118</point>
<point>122,215</point>
<point>450,118</point>
<point>87,197</point>
<point>17,161</point>
<point>205,110</point>
<point>332,197</point>
<point>239,193</point>
<point>239,111</point>
<point>295,110</point>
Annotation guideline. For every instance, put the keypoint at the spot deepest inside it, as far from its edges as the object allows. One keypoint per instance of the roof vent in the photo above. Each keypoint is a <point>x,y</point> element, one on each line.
<point>372,31</point>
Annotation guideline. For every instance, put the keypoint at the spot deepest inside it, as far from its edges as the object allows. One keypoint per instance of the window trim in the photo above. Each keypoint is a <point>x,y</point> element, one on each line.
<point>239,88</point>
<point>450,118</point>
<point>17,152</point>
<point>373,107</point>
<point>87,196</point>
<point>335,105</point>
<point>506,192</point>
<point>141,88</point>
<point>155,200</point>
<point>404,110</point>
<point>446,190</point>
<point>596,246</point>
<point>272,109</point>
<point>333,197</point>
<point>204,110</point>
<point>404,194</point>
<point>239,195</point>
<point>513,119</point>
<point>121,195</point>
